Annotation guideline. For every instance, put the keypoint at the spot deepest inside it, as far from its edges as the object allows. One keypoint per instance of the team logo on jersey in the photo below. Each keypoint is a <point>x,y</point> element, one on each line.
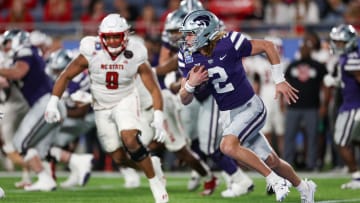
<point>210,61</point>
<point>97,46</point>
<point>128,54</point>
<point>188,57</point>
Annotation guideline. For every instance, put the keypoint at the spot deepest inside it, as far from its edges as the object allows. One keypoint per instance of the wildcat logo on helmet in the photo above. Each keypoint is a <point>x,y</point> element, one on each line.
<point>202,21</point>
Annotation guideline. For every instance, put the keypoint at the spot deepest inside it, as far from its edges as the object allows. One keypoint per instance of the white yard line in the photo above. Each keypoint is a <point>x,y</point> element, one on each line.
<point>339,201</point>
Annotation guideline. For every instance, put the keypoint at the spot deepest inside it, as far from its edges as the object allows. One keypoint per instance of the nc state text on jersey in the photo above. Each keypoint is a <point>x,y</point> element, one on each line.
<point>112,66</point>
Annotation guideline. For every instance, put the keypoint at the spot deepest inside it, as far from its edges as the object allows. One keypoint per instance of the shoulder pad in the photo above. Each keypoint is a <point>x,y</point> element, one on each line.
<point>88,45</point>
<point>138,48</point>
<point>24,52</point>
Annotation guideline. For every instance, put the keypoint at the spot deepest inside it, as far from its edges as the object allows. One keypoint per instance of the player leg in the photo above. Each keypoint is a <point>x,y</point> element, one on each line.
<point>209,131</point>
<point>32,131</point>
<point>129,133</point>
<point>79,164</point>
<point>14,109</point>
<point>347,129</point>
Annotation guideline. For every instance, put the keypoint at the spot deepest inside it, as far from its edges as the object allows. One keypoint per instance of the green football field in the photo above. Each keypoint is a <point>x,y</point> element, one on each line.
<point>108,188</point>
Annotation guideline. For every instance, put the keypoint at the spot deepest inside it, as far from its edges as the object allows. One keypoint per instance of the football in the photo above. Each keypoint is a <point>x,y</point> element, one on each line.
<point>196,68</point>
<point>2,193</point>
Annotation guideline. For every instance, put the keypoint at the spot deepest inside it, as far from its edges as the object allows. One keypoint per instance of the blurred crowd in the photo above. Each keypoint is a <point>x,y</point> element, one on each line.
<point>147,16</point>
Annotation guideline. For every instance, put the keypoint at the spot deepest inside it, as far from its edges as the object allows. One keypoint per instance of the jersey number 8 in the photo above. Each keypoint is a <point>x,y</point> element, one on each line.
<point>112,80</point>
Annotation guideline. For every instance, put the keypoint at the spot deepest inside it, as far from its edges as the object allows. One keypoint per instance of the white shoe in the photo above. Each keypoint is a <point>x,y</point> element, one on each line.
<point>158,170</point>
<point>308,195</point>
<point>194,182</point>
<point>226,178</point>
<point>353,184</point>
<point>81,165</point>
<point>131,177</point>
<point>158,190</point>
<point>281,189</point>
<point>23,183</point>
<point>45,183</point>
<point>71,181</point>
<point>238,189</point>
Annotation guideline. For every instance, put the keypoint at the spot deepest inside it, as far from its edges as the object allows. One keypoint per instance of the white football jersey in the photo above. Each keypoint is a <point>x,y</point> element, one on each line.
<point>112,79</point>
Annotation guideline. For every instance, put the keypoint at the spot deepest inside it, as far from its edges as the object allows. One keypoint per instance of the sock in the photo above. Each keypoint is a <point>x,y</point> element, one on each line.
<point>271,178</point>
<point>56,153</point>
<point>301,187</point>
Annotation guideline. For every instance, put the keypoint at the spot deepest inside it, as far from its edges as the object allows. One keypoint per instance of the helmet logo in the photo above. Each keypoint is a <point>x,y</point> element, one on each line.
<point>202,21</point>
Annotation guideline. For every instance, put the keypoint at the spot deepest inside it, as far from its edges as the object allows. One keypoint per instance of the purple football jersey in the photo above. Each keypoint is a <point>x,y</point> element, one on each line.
<point>80,82</point>
<point>36,82</point>
<point>351,87</point>
<point>227,78</point>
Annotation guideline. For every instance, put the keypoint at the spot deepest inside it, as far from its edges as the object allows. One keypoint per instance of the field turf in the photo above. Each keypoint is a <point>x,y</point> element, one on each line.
<point>108,188</point>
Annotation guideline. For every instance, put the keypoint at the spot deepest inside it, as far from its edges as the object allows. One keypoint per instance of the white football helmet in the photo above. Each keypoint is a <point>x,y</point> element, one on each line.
<point>114,33</point>
<point>346,34</point>
<point>57,62</point>
<point>19,39</point>
<point>204,24</point>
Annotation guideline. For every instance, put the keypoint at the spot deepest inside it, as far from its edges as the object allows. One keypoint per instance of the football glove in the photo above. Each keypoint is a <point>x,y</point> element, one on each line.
<point>158,124</point>
<point>52,113</point>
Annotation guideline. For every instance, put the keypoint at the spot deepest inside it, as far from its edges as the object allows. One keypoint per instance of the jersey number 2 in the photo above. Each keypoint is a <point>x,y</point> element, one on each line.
<point>219,83</point>
<point>112,80</point>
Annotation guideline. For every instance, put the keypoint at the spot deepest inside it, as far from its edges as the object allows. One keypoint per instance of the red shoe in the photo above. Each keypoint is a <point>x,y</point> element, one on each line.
<point>210,186</point>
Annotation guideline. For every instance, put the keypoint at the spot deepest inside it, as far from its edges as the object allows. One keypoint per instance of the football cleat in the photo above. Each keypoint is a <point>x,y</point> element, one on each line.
<point>23,183</point>
<point>194,182</point>
<point>308,195</point>
<point>353,184</point>
<point>157,169</point>
<point>45,183</point>
<point>131,178</point>
<point>71,181</point>
<point>281,189</point>
<point>158,190</point>
<point>210,186</point>
<point>238,188</point>
<point>81,165</point>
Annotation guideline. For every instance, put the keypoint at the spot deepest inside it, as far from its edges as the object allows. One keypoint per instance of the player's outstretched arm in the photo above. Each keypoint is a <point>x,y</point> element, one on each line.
<point>76,66</point>
<point>148,78</point>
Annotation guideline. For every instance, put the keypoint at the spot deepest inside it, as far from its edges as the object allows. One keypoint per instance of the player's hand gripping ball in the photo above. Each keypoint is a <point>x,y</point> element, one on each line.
<point>202,86</point>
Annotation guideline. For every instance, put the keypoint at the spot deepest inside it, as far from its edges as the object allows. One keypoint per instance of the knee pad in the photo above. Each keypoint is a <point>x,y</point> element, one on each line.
<point>139,154</point>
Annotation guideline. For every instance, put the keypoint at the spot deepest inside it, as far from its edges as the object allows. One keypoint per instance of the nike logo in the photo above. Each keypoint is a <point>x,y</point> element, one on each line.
<point>222,57</point>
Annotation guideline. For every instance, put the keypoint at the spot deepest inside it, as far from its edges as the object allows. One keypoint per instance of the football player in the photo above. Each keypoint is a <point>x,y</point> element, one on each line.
<point>33,136</point>
<point>79,120</point>
<point>200,117</point>
<point>214,57</point>
<point>344,43</point>
<point>113,61</point>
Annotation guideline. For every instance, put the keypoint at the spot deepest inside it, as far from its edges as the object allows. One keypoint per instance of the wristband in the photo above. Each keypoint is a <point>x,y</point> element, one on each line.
<point>277,73</point>
<point>53,99</point>
<point>159,114</point>
<point>189,88</point>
